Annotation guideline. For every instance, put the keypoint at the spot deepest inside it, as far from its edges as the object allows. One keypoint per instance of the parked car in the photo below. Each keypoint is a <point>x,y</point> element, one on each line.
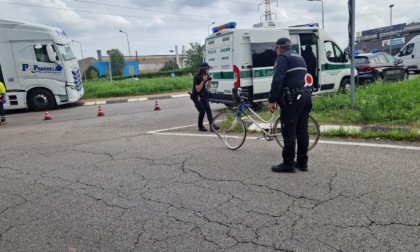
<point>378,66</point>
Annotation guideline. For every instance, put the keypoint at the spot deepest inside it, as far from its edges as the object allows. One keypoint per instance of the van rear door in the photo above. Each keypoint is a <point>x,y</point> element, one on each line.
<point>219,55</point>
<point>263,58</point>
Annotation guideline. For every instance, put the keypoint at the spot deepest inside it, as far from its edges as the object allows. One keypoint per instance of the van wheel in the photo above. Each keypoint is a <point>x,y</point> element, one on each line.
<point>345,86</point>
<point>380,78</point>
<point>405,76</point>
<point>41,99</point>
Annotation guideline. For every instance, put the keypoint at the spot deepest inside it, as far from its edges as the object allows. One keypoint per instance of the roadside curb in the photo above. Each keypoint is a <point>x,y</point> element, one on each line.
<point>152,98</point>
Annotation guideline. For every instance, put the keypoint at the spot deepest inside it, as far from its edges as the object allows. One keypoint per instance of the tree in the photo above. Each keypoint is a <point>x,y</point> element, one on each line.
<point>194,56</point>
<point>92,73</point>
<point>168,66</point>
<point>117,62</point>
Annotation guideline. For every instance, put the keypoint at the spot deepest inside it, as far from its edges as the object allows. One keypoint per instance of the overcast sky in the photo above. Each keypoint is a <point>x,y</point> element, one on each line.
<point>156,26</point>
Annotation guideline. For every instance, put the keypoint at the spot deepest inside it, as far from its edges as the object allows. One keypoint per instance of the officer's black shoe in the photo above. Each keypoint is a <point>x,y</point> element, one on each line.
<point>283,167</point>
<point>302,162</point>
<point>301,166</point>
<point>202,129</point>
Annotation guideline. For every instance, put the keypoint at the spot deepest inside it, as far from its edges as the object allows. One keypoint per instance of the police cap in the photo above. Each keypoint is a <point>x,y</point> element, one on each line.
<point>284,42</point>
<point>204,65</point>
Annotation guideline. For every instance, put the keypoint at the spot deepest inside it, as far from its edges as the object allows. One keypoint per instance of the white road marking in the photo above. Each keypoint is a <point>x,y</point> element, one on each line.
<point>180,95</point>
<point>388,146</point>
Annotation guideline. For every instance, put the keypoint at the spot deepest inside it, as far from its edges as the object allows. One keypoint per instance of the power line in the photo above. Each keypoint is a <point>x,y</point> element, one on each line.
<point>199,5</point>
<point>136,8</point>
<point>100,13</point>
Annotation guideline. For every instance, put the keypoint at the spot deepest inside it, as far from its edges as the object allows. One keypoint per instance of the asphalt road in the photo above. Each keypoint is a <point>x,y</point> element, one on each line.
<point>144,180</point>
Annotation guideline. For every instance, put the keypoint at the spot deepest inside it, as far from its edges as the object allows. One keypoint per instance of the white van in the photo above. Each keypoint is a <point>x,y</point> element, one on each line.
<point>245,58</point>
<point>37,66</point>
<point>410,54</point>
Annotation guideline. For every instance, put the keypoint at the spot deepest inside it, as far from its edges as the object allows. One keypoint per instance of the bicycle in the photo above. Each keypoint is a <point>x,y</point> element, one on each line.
<point>230,127</point>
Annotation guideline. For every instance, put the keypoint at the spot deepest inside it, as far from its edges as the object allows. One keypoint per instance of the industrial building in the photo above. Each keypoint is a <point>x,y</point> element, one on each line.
<point>385,38</point>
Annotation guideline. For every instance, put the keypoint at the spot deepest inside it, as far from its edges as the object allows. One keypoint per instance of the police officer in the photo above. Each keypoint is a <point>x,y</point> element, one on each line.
<point>200,96</point>
<point>295,100</point>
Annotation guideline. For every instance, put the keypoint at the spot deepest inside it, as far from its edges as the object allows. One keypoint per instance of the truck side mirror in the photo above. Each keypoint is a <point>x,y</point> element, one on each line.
<point>399,61</point>
<point>52,55</point>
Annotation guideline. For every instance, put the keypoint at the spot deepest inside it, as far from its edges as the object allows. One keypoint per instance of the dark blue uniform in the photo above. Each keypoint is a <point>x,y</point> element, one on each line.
<point>289,73</point>
<point>201,101</point>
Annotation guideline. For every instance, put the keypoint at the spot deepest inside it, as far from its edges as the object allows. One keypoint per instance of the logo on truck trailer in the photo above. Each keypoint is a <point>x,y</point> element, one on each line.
<point>39,69</point>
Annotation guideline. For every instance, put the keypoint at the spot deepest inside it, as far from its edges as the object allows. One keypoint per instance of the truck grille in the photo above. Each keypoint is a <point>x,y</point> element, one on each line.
<point>77,79</point>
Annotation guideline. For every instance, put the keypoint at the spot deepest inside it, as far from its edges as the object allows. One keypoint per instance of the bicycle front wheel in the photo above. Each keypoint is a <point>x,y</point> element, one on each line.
<point>230,129</point>
<point>313,130</point>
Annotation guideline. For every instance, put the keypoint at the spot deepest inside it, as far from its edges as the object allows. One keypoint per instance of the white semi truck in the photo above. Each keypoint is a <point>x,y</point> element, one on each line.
<point>37,66</point>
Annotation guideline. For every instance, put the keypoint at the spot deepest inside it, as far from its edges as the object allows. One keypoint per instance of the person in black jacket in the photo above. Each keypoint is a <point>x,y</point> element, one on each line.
<point>295,100</point>
<point>200,97</point>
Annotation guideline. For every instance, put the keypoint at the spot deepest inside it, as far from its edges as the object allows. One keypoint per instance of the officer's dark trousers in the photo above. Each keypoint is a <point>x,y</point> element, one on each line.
<point>2,112</point>
<point>203,107</point>
<point>294,121</point>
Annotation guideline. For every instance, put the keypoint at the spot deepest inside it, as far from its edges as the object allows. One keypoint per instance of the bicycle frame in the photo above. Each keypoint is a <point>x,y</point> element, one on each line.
<point>241,110</point>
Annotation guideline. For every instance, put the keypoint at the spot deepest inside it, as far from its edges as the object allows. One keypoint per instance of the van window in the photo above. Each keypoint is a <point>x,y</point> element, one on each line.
<point>41,54</point>
<point>408,50</point>
<point>333,52</point>
<point>263,55</point>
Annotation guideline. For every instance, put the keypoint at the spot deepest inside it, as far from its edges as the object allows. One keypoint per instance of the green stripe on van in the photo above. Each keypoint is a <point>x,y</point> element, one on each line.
<point>335,67</point>
<point>248,74</point>
<point>226,75</point>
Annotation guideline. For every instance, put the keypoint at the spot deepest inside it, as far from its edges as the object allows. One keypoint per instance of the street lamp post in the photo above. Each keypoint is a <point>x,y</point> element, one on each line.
<point>129,52</point>
<point>208,28</point>
<point>83,64</point>
<point>322,3</point>
<point>390,29</point>
<point>110,70</point>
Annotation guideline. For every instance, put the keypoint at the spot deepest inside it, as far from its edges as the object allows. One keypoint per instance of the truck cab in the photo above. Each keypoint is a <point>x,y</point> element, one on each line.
<point>37,66</point>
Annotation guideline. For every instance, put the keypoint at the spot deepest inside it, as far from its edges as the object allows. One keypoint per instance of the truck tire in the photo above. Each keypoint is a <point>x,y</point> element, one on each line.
<point>41,99</point>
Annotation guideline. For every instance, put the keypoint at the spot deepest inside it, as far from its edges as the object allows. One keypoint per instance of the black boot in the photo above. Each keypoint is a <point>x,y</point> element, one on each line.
<point>302,163</point>
<point>284,167</point>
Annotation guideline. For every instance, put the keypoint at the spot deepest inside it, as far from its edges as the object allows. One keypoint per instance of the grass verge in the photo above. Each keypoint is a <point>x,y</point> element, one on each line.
<point>395,135</point>
<point>105,88</point>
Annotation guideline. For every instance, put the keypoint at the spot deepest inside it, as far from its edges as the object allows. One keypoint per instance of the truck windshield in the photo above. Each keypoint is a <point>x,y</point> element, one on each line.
<point>65,52</point>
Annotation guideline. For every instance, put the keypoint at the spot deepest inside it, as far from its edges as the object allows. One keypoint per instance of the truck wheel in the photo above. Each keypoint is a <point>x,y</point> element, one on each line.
<point>345,86</point>
<point>405,76</point>
<point>41,99</point>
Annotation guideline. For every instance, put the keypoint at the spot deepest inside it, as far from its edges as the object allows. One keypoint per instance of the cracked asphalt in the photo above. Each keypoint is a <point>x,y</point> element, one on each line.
<point>87,183</point>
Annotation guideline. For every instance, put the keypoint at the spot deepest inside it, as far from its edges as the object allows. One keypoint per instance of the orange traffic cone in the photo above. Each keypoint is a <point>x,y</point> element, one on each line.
<point>100,112</point>
<point>47,115</point>
<point>157,106</point>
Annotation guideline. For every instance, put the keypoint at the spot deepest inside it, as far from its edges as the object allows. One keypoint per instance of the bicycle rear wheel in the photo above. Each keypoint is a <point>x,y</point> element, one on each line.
<point>230,129</point>
<point>313,130</point>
